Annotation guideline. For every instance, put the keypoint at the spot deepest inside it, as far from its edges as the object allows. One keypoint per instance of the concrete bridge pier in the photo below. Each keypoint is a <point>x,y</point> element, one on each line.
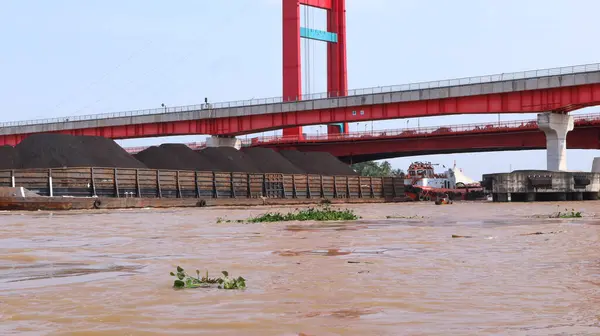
<point>596,165</point>
<point>556,126</point>
<point>223,141</point>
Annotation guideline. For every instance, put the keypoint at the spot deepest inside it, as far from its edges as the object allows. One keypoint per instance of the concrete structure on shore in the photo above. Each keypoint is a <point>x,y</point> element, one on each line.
<point>542,185</point>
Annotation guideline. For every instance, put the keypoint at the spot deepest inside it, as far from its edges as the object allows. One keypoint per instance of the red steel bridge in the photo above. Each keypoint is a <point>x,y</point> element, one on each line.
<point>382,144</point>
<point>557,91</point>
<point>560,90</point>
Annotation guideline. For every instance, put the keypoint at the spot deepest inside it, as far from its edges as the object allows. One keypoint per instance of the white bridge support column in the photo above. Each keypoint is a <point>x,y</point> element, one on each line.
<point>222,141</point>
<point>556,126</point>
<point>596,165</point>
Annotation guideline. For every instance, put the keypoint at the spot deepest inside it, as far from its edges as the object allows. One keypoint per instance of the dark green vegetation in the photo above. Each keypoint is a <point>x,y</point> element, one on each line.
<point>321,213</point>
<point>562,214</point>
<point>324,213</point>
<point>375,169</point>
<point>567,214</point>
<point>225,282</point>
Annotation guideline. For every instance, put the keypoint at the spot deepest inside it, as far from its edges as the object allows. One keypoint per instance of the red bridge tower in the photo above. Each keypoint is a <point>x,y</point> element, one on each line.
<point>335,37</point>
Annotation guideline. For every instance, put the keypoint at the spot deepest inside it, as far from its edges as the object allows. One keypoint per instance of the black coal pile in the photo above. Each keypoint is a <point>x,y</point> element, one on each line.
<point>62,150</point>
<point>189,157</point>
<point>174,157</point>
<point>269,161</point>
<point>321,163</point>
<point>229,159</point>
<point>159,158</point>
<point>9,158</point>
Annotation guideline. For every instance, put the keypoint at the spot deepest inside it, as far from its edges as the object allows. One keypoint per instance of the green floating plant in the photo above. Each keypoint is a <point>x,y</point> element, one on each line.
<point>225,282</point>
<point>567,214</point>
<point>324,213</point>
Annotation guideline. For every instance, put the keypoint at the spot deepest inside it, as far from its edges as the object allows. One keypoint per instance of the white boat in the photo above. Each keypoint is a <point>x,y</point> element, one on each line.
<point>425,184</point>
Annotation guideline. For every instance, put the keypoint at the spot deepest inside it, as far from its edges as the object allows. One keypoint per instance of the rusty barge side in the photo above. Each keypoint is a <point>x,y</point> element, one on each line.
<point>83,203</point>
<point>110,188</point>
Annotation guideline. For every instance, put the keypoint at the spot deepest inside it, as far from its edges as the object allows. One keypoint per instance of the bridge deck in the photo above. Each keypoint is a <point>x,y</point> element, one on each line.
<point>504,127</point>
<point>464,87</point>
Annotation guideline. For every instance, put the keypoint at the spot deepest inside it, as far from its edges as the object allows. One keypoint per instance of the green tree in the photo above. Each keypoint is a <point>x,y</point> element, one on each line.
<point>398,172</point>
<point>375,169</point>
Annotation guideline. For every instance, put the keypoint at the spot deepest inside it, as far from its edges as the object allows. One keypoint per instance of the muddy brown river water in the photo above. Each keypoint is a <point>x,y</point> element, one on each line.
<point>107,273</point>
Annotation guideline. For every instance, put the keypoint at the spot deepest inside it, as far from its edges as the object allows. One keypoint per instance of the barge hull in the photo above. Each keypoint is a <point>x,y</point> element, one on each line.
<point>80,203</point>
<point>116,188</point>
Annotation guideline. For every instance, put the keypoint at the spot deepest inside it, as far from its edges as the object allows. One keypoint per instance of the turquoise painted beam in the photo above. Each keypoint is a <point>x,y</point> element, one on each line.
<point>319,35</point>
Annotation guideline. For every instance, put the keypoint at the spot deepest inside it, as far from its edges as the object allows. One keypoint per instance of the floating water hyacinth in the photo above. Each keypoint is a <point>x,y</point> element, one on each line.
<point>324,213</point>
<point>225,282</point>
<point>569,214</point>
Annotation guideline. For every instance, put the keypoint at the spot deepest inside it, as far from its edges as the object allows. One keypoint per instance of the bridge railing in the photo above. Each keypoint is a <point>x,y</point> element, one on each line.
<point>355,92</point>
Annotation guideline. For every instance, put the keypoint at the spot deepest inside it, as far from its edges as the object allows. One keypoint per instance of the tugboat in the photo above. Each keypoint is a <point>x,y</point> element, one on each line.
<point>424,184</point>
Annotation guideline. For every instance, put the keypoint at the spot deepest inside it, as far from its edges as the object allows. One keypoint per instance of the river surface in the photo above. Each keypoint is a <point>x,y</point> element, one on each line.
<point>107,273</point>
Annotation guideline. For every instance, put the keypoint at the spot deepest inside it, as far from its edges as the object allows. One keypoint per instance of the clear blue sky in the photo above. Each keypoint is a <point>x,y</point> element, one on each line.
<point>69,57</point>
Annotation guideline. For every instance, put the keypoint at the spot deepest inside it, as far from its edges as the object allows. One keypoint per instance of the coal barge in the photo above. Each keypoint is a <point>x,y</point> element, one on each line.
<point>64,172</point>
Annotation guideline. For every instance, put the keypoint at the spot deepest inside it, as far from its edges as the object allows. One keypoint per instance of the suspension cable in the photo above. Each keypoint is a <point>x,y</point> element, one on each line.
<point>307,61</point>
